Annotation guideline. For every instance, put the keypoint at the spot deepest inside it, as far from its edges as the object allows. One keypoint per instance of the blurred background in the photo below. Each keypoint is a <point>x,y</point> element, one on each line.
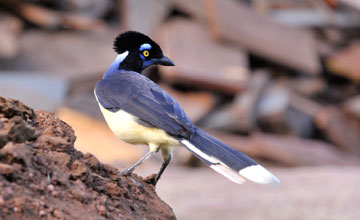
<point>275,79</point>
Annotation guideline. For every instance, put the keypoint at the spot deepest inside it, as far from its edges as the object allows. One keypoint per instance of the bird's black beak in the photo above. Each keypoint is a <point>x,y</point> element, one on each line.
<point>165,61</point>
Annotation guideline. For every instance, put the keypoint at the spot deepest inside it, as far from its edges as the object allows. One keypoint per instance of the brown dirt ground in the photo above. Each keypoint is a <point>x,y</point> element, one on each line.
<point>42,176</point>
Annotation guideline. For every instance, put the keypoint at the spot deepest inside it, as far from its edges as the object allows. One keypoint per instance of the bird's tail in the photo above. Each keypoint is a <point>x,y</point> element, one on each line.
<point>226,160</point>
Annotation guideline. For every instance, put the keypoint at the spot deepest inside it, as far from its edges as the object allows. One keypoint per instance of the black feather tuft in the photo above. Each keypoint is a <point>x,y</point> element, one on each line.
<point>131,40</point>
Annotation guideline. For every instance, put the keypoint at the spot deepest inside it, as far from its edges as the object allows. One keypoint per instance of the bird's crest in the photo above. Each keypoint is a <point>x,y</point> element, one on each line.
<point>132,40</point>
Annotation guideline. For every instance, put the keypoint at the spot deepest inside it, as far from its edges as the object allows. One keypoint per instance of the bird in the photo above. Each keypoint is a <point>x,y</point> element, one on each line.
<point>138,111</point>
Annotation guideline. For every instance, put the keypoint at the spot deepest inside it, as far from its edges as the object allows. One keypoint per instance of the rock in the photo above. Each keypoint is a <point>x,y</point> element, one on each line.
<point>92,161</point>
<point>58,58</point>
<point>6,169</point>
<point>79,192</point>
<point>280,113</point>
<point>345,62</point>
<point>314,18</point>
<point>42,179</point>
<point>10,28</point>
<point>352,107</point>
<point>200,60</point>
<point>16,130</point>
<point>78,169</point>
<point>52,126</point>
<point>351,3</point>
<point>52,19</point>
<point>307,86</point>
<point>338,129</point>
<point>234,22</point>
<point>16,153</point>
<point>10,108</point>
<point>243,112</point>
<point>21,131</point>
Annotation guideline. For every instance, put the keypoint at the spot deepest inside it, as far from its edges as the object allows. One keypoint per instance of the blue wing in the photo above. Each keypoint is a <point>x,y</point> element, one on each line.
<point>141,97</point>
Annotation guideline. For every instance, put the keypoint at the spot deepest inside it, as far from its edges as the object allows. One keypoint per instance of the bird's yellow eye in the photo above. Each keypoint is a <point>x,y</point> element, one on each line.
<point>146,53</point>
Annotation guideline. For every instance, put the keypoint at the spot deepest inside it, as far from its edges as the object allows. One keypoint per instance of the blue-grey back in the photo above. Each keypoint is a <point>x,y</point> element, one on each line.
<point>141,97</point>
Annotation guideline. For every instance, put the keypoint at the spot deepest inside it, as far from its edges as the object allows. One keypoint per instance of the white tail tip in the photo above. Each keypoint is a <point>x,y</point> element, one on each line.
<point>259,174</point>
<point>229,173</point>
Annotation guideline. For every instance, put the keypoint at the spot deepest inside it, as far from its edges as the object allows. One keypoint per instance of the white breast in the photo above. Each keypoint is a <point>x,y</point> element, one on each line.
<point>125,127</point>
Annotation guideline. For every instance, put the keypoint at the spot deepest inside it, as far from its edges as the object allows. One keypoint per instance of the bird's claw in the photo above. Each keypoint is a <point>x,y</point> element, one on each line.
<point>151,179</point>
<point>126,172</point>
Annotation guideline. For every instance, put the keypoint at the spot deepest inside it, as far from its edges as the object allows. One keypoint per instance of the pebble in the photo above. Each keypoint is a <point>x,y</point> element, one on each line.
<point>101,209</point>
<point>54,193</point>
<point>42,213</point>
<point>57,214</point>
<point>50,187</point>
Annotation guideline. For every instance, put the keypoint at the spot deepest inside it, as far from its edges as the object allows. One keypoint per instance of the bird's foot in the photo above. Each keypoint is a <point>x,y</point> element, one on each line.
<point>152,179</point>
<point>126,172</point>
<point>138,184</point>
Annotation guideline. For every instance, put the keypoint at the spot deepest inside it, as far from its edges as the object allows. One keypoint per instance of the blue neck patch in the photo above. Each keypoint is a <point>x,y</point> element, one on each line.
<point>147,63</point>
<point>114,67</point>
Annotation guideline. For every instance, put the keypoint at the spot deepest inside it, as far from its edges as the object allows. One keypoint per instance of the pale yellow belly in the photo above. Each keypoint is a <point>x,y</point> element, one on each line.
<point>127,129</point>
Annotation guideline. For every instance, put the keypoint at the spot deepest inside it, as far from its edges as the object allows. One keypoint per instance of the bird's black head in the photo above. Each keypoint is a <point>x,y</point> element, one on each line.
<point>137,51</point>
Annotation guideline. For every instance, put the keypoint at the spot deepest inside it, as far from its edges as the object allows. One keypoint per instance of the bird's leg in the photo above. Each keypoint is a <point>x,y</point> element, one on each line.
<point>163,166</point>
<point>167,156</point>
<point>129,170</point>
<point>153,150</point>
